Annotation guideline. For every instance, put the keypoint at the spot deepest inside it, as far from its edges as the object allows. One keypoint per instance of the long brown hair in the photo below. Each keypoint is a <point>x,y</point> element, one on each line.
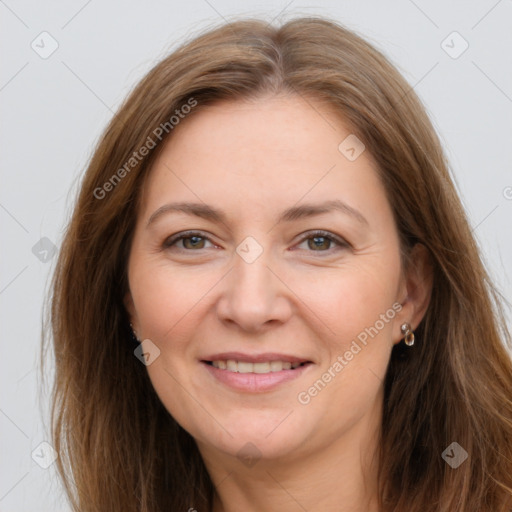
<point>120,450</point>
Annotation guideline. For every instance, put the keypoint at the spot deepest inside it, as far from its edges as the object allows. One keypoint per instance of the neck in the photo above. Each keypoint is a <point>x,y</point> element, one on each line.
<point>339,476</point>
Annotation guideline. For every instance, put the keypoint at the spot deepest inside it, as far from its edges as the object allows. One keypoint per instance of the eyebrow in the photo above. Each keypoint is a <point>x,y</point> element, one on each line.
<point>207,212</point>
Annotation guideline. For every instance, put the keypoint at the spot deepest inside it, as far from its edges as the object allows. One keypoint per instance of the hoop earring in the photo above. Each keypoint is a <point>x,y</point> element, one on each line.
<point>408,334</point>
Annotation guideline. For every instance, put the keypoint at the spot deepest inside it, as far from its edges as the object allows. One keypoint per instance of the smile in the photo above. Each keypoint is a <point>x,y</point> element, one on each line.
<point>231,365</point>
<point>254,373</point>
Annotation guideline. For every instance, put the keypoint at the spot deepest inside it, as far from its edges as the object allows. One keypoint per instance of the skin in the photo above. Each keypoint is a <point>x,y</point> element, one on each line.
<point>253,159</point>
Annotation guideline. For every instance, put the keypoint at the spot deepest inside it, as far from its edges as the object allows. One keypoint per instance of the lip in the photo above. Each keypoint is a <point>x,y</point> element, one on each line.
<point>255,382</point>
<point>255,358</point>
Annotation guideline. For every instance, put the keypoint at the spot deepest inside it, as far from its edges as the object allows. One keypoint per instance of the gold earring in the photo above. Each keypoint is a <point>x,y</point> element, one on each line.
<point>408,334</point>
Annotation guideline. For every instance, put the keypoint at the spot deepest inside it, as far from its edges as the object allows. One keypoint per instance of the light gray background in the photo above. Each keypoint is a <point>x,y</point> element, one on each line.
<point>54,109</point>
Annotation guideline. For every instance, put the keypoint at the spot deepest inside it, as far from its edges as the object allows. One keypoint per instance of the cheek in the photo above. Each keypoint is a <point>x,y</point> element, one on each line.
<point>351,299</point>
<point>356,306</point>
<point>168,304</point>
<point>166,297</point>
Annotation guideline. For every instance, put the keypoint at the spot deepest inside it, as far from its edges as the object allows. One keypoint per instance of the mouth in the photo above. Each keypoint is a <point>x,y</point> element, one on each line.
<point>254,373</point>
<point>233,365</point>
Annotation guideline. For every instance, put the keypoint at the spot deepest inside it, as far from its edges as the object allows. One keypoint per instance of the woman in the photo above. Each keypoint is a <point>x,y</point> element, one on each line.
<point>269,296</point>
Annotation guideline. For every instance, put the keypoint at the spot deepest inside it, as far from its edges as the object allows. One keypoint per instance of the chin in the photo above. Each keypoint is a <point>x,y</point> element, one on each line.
<point>254,438</point>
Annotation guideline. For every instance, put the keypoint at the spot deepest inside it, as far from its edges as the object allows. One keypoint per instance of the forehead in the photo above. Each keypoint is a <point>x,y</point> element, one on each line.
<point>254,155</point>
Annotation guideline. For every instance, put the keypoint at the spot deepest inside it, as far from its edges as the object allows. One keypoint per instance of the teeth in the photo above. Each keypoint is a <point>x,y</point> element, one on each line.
<point>260,367</point>
<point>276,366</point>
<point>245,367</point>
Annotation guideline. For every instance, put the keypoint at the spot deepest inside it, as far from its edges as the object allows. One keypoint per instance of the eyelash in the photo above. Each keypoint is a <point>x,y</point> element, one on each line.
<point>342,244</point>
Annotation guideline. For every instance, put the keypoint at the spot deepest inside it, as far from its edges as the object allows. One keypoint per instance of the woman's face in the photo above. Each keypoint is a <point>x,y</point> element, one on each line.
<point>264,330</point>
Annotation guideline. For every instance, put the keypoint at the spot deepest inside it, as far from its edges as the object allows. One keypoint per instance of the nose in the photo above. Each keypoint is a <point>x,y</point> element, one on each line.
<point>254,297</point>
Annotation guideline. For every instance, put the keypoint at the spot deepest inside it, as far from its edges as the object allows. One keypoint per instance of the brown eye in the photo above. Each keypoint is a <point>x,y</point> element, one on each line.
<point>189,241</point>
<point>193,242</point>
<point>319,242</point>
<point>323,241</point>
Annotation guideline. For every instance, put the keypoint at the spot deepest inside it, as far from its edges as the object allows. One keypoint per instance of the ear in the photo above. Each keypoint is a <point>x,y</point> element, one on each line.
<point>416,289</point>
